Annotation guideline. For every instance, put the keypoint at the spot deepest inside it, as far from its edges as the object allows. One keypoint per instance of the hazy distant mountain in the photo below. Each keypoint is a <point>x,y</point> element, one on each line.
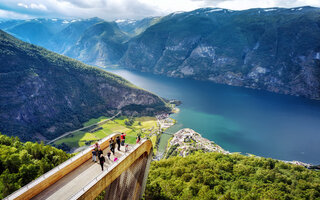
<point>274,49</point>
<point>44,94</point>
<point>7,23</point>
<point>101,44</point>
<point>36,31</point>
<point>135,27</point>
<point>93,40</point>
<point>64,40</point>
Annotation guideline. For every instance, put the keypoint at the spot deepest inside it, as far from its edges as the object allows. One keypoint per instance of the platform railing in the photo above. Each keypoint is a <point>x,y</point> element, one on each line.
<point>53,171</point>
<point>105,172</point>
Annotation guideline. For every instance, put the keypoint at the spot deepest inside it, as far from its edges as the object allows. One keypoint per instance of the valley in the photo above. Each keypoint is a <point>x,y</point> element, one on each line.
<point>226,100</point>
<point>44,94</point>
<point>275,49</point>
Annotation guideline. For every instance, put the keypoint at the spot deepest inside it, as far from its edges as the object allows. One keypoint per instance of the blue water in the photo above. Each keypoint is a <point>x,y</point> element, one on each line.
<point>240,119</point>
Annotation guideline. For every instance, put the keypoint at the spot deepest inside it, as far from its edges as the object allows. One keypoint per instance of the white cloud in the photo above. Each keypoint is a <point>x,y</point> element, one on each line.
<point>33,6</point>
<point>23,5</point>
<point>38,6</point>
<point>122,9</point>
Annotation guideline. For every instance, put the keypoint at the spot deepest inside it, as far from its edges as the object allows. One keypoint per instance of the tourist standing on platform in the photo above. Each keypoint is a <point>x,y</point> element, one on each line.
<point>138,137</point>
<point>118,142</point>
<point>100,152</point>
<point>111,146</point>
<point>96,146</point>
<point>94,153</point>
<point>102,160</point>
<point>123,139</point>
<point>109,154</point>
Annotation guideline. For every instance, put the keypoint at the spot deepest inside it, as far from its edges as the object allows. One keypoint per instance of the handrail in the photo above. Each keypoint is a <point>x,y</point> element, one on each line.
<point>105,172</point>
<point>54,170</point>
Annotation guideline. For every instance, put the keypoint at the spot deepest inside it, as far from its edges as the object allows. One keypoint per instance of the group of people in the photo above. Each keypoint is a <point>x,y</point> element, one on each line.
<point>97,152</point>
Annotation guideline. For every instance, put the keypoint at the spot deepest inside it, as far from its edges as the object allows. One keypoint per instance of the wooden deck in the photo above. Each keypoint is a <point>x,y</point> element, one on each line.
<point>77,179</point>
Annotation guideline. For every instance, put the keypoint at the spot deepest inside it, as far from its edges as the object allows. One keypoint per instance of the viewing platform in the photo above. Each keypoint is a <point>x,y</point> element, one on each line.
<point>81,178</point>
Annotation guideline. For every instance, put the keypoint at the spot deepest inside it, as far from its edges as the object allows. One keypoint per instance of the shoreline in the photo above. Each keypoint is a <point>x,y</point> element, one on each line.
<point>186,140</point>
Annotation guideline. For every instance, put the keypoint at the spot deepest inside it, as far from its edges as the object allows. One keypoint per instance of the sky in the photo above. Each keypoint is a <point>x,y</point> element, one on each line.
<point>128,9</point>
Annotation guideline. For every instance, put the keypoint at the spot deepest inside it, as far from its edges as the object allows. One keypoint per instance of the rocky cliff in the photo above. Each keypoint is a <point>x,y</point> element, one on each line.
<point>273,49</point>
<point>44,94</point>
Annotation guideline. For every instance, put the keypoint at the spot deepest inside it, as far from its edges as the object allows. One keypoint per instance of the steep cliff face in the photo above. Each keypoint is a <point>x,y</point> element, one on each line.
<point>44,94</point>
<point>272,49</point>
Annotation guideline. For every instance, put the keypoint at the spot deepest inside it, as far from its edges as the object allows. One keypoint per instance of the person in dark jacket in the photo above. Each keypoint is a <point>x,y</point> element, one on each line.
<point>102,160</point>
<point>111,146</point>
<point>100,152</point>
<point>118,142</point>
<point>94,153</point>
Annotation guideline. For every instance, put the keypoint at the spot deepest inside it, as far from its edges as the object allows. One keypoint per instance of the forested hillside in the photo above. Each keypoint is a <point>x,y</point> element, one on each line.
<point>219,176</point>
<point>20,163</point>
<point>44,94</point>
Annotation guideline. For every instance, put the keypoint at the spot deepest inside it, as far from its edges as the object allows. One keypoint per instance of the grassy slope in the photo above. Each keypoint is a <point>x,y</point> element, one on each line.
<point>117,125</point>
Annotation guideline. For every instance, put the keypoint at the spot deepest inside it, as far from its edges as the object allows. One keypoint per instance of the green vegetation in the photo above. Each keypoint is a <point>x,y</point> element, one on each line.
<point>94,121</point>
<point>145,126</point>
<point>45,94</point>
<point>20,163</point>
<point>219,176</point>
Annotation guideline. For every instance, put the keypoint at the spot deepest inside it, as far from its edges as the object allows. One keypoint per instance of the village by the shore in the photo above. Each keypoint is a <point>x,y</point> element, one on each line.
<point>186,141</point>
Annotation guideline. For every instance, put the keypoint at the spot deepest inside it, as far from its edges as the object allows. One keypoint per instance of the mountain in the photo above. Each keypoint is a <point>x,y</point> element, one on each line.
<point>35,31</point>
<point>62,41</point>
<point>7,23</point>
<point>101,44</point>
<point>274,49</point>
<point>44,94</point>
<point>93,41</point>
<point>135,27</point>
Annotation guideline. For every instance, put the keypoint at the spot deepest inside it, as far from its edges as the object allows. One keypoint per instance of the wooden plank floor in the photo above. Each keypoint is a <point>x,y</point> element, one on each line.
<point>77,179</point>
